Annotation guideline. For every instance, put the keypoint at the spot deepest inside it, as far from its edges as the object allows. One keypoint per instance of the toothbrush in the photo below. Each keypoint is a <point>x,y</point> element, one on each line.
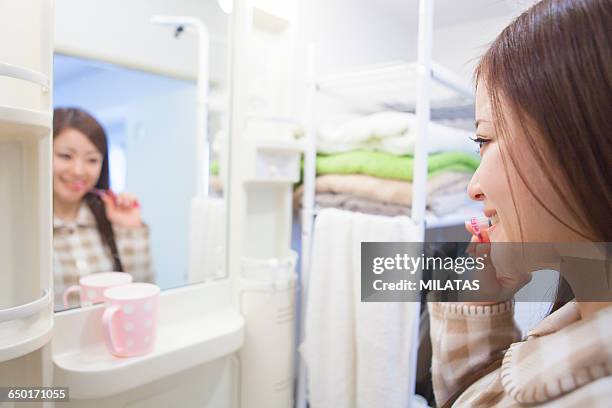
<point>480,223</point>
<point>99,192</point>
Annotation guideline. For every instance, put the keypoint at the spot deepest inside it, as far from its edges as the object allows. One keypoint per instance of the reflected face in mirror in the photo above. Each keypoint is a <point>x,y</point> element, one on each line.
<point>77,163</point>
<point>94,230</point>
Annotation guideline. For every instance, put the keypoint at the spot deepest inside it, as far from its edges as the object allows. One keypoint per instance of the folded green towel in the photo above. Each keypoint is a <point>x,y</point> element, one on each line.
<point>385,165</point>
<point>214,168</point>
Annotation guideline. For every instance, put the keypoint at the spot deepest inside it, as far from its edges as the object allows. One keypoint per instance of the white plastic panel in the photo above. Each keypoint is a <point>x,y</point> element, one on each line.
<point>19,252</point>
<point>268,305</point>
<point>22,124</point>
<point>25,176</point>
<point>210,385</point>
<point>27,46</point>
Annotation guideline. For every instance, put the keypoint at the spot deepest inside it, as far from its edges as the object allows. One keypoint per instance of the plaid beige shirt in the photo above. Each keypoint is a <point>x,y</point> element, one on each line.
<point>564,361</point>
<point>78,250</point>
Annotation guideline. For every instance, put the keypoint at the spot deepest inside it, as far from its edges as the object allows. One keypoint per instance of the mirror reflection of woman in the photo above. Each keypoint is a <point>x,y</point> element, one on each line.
<point>94,230</point>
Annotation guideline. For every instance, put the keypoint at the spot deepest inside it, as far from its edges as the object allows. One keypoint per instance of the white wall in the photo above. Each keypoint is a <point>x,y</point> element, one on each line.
<point>103,88</point>
<point>459,46</point>
<point>350,33</point>
<point>119,31</point>
<point>160,150</point>
<point>106,91</point>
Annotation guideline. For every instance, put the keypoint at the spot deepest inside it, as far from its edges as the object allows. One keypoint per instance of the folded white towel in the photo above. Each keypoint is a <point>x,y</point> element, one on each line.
<point>391,132</point>
<point>376,126</point>
<point>357,354</point>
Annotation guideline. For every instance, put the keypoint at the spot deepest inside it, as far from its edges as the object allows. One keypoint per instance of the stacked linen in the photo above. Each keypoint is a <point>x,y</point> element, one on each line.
<point>366,165</point>
<point>448,176</point>
<point>390,132</point>
<point>375,195</point>
<point>389,166</point>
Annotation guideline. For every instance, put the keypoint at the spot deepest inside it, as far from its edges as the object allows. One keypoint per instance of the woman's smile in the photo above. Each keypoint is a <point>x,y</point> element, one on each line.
<point>76,186</point>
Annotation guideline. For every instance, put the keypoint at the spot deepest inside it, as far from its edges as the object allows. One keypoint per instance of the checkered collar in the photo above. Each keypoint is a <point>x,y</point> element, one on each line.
<point>561,354</point>
<point>84,218</point>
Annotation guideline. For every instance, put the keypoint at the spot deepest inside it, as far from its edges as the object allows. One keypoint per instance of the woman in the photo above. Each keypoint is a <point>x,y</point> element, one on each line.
<point>543,97</point>
<point>93,230</point>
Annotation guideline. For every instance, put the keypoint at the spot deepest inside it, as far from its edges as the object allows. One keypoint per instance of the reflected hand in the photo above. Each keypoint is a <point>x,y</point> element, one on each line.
<point>122,209</point>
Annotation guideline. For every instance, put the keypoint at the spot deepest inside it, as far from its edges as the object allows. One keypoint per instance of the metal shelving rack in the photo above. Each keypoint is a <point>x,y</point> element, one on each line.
<point>414,83</point>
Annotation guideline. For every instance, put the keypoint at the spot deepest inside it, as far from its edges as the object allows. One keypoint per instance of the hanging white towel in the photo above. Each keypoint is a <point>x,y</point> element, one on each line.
<point>206,239</point>
<point>357,354</point>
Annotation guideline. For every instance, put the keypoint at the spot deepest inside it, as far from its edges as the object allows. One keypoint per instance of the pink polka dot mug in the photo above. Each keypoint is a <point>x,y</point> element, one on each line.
<point>129,321</point>
<point>91,287</point>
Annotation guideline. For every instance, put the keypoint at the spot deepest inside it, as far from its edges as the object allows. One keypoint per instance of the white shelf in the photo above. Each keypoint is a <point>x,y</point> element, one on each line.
<point>17,123</point>
<point>26,327</point>
<point>30,335</point>
<point>27,309</point>
<point>270,181</point>
<point>391,84</point>
<point>451,220</point>
<point>92,372</point>
<point>193,329</point>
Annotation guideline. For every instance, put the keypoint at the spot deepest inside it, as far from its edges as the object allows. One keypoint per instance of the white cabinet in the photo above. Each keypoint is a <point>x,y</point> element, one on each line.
<point>26,312</point>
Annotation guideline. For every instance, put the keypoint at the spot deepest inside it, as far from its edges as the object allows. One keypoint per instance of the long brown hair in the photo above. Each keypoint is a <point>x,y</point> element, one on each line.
<point>74,118</point>
<point>550,70</point>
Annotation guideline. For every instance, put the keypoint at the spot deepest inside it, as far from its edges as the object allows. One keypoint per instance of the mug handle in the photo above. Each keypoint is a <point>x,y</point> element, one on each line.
<point>107,320</point>
<point>71,289</point>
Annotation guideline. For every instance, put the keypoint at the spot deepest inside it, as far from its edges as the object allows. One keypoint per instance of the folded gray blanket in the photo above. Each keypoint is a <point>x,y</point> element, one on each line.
<point>359,204</point>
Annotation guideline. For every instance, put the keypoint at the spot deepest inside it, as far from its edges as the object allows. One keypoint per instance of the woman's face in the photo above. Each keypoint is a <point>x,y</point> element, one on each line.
<point>76,166</point>
<point>492,180</point>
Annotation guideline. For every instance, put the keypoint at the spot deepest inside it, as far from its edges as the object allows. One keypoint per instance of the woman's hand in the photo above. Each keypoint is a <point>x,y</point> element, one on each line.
<point>122,209</point>
<point>495,283</point>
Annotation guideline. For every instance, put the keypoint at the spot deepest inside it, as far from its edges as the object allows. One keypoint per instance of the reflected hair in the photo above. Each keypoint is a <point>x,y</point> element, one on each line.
<point>78,119</point>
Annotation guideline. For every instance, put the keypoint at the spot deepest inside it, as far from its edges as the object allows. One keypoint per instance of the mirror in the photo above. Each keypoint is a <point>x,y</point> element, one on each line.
<point>139,82</point>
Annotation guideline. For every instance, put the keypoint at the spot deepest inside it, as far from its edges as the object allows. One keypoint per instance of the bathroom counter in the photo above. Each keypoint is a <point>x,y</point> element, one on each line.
<point>197,324</point>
